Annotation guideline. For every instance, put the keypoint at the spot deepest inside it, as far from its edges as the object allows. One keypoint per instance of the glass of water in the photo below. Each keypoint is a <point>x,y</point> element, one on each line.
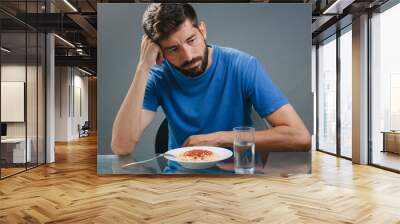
<point>244,150</point>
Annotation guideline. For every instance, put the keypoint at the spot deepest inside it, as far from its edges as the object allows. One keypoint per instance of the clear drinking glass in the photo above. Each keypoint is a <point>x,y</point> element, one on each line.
<point>244,150</point>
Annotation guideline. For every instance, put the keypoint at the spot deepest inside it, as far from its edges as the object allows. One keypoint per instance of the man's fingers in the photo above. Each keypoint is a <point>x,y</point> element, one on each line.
<point>188,141</point>
<point>145,37</point>
<point>185,142</point>
<point>160,58</point>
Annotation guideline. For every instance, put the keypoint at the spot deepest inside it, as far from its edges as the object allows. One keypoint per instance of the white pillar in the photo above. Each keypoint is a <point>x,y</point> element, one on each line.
<point>50,110</point>
<point>360,90</point>
<point>50,91</point>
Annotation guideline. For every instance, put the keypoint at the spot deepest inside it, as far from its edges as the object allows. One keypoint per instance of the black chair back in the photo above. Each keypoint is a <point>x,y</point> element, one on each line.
<point>86,126</point>
<point>161,144</point>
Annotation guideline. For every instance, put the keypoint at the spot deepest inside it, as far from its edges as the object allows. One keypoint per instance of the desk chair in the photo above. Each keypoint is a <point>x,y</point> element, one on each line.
<point>84,130</point>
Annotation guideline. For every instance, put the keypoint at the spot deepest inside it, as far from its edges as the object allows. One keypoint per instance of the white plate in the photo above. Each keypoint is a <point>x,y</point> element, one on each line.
<point>221,153</point>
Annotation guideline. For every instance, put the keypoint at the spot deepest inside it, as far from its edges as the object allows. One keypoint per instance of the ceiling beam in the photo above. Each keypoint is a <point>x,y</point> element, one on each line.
<point>86,27</point>
<point>83,61</point>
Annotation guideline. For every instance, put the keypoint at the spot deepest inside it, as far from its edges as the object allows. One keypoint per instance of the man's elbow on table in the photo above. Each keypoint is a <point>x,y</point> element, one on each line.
<point>303,141</point>
<point>120,148</point>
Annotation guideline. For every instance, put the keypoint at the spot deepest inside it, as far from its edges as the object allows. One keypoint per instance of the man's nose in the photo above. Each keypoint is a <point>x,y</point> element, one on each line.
<point>186,54</point>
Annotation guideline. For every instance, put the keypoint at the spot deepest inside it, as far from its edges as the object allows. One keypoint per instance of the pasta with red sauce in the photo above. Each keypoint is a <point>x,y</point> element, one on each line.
<point>197,155</point>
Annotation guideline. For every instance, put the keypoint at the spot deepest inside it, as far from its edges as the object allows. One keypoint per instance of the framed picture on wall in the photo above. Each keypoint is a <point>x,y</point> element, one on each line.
<point>185,88</point>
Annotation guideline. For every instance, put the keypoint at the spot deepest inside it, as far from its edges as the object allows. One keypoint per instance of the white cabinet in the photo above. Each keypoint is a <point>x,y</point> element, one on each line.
<point>18,149</point>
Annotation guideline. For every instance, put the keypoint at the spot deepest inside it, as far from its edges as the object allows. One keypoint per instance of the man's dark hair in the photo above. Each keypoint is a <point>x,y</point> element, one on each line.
<point>162,19</point>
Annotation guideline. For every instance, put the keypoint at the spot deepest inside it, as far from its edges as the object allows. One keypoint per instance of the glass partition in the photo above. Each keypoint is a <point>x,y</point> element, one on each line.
<point>14,153</point>
<point>346,93</point>
<point>327,95</point>
<point>385,89</point>
<point>22,88</point>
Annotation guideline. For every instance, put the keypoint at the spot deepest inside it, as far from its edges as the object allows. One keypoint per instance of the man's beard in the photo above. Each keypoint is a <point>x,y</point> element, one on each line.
<point>198,70</point>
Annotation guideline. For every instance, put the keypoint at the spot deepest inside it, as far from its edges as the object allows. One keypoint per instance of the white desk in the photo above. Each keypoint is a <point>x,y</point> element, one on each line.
<point>18,149</point>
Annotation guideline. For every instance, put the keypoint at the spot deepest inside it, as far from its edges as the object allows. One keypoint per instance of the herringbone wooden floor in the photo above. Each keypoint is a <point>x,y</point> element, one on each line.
<point>70,191</point>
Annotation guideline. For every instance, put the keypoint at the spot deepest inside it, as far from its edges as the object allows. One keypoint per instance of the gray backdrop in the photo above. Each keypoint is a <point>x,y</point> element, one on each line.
<point>279,35</point>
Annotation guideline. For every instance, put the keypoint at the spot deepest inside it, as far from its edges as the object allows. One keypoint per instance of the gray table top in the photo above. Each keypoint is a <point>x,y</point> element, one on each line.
<point>269,163</point>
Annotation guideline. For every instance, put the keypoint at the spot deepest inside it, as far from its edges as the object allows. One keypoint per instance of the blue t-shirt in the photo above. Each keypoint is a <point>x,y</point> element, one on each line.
<point>219,99</point>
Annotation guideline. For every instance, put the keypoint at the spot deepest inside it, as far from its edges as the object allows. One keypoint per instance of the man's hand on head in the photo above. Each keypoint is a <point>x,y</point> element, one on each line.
<point>150,53</point>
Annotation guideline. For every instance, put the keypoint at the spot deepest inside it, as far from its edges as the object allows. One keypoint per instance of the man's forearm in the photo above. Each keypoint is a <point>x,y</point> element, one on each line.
<point>126,128</point>
<point>281,138</point>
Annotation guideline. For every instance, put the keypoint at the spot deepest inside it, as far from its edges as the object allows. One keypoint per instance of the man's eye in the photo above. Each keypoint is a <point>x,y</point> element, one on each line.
<point>191,40</point>
<point>173,49</point>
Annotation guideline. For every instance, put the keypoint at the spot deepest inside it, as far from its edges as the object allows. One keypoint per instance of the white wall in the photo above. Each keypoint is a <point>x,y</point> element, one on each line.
<point>71,92</point>
<point>61,103</point>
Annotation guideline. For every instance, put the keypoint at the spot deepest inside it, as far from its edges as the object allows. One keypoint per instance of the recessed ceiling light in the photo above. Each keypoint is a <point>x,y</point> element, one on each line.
<point>86,72</point>
<point>64,40</point>
<point>337,7</point>
<point>5,50</point>
<point>70,5</point>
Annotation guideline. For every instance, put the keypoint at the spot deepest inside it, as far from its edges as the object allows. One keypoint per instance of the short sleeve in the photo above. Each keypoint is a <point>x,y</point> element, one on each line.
<point>264,95</point>
<point>150,100</point>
